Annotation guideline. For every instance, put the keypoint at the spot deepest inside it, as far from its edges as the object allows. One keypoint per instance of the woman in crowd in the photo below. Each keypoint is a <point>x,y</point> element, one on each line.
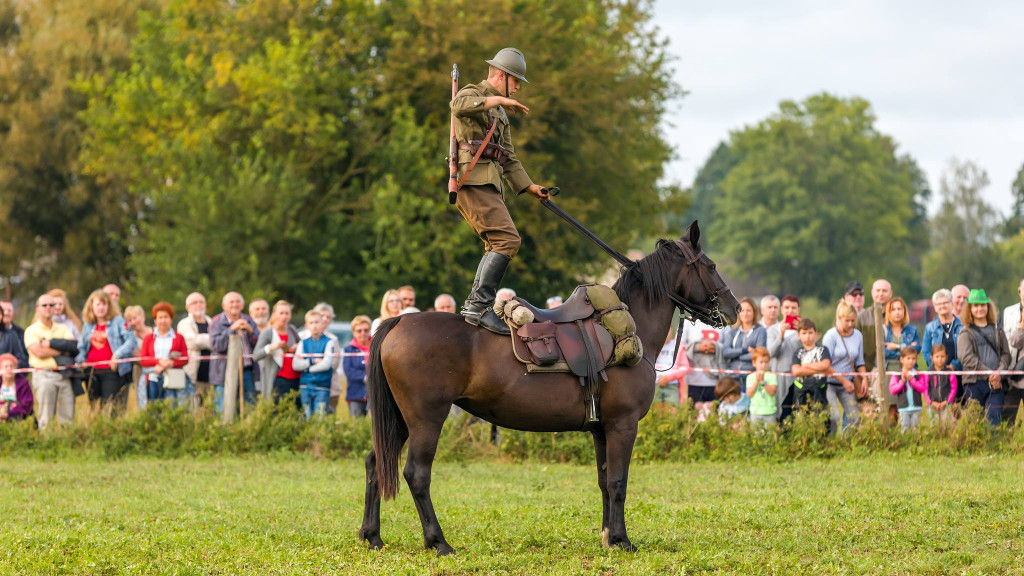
<point>741,338</point>
<point>390,306</point>
<point>355,366</point>
<point>135,320</point>
<point>105,338</point>
<point>274,350</point>
<point>899,333</point>
<point>982,346</point>
<point>943,330</point>
<point>845,346</point>
<point>15,392</point>
<point>164,350</point>
<point>64,314</point>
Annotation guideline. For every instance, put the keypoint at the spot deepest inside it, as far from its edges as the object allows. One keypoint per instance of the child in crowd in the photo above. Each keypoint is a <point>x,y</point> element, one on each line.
<point>761,386</point>
<point>314,360</point>
<point>941,390</point>
<point>730,399</point>
<point>909,388</point>
<point>811,366</point>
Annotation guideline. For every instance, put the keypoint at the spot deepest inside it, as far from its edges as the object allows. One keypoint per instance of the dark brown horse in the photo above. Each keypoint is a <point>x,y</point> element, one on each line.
<point>421,364</point>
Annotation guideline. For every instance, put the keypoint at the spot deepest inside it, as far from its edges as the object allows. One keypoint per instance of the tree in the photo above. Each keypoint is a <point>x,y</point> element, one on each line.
<point>294,150</point>
<point>1015,221</point>
<point>61,226</point>
<point>815,196</point>
<point>965,235</point>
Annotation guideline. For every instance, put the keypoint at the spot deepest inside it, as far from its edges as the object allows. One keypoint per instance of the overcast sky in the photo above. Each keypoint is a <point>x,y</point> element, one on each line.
<point>944,78</point>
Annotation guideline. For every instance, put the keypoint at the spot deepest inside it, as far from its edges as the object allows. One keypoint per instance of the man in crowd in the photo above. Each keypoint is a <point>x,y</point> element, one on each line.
<point>408,296</point>
<point>195,329</point>
<point>769,312</point>
<point>114,291</point>
<point>960,293</point>
<point>881,293</point>
<point>783,342</point>
<point>231,322</point>
<point>259,310</point>
<point>505,294</point>
<point>854,295</point>
<point>445,303</point>
<point>52,388</point>
<point>12,336</point>
<point>1013,326</point>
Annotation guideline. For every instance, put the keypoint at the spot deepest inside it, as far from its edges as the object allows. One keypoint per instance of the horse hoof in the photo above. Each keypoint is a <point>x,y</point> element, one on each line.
<point>623,544</point>
<point>444,550</point>
<point>373,540</point>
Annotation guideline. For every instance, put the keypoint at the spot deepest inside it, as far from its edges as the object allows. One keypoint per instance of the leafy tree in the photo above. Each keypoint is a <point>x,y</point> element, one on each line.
<point>1015,222</point>
<point>61,227</point>
<point>965,234</point>
<point>816,196</point>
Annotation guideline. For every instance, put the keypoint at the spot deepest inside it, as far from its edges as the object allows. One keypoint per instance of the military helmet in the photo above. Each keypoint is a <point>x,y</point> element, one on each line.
<point>510,60</point>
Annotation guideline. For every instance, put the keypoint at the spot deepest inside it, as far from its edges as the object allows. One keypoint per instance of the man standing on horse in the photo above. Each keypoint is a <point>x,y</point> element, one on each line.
<point>480,113</point>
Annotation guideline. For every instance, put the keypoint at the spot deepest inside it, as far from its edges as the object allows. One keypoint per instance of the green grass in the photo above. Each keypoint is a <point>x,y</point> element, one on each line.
<point>883,514</point>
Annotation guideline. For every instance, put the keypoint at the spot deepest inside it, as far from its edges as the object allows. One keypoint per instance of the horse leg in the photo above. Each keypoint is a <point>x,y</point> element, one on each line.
<point>422,447</point>
<point>619,450</point>
<point>370,530</point>
<point>600,451</point>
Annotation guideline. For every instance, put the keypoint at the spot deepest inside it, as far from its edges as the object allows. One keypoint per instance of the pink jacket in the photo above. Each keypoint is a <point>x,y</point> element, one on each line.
<point>907,399</point>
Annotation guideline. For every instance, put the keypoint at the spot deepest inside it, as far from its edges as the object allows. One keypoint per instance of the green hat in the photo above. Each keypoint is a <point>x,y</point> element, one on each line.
<point>512,61</point>
<point>978,296</point>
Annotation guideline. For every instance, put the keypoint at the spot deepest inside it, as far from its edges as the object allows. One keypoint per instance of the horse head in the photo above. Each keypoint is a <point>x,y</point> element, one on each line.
<point>699,288</point>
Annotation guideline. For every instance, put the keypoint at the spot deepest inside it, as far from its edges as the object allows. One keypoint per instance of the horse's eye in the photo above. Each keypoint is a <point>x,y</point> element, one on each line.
<point>712,267</point>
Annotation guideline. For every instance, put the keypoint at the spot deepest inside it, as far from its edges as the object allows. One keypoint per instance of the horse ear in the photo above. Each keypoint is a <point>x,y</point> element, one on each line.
<point>693,231</point>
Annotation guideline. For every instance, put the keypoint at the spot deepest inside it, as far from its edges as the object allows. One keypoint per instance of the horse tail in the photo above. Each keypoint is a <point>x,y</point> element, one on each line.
<point>385,417</point>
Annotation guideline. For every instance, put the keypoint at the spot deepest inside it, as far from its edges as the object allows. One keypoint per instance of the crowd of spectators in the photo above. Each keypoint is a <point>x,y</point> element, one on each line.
<point>105,352</point>
<point>768,364</point>
<point>772,361</point>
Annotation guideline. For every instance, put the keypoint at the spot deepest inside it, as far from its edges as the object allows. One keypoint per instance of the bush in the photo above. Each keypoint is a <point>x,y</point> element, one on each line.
<point>668,433</point>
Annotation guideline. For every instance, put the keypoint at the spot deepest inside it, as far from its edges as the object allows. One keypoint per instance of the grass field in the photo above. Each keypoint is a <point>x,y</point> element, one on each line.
<point>295,515</point>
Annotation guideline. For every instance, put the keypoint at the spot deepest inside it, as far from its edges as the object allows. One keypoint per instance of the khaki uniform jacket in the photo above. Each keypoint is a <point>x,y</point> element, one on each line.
<point>472,123</point>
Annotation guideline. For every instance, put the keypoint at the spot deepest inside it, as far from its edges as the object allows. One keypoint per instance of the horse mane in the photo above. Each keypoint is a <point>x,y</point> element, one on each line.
<point>650,272</point>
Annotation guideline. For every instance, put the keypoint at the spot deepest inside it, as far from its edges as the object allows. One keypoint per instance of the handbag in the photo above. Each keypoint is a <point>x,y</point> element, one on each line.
<point>174,379</point>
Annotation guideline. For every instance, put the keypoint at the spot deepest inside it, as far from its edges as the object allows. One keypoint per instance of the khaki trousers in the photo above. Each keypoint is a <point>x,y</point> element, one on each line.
<point>485,210</point>
<point>54,397</point>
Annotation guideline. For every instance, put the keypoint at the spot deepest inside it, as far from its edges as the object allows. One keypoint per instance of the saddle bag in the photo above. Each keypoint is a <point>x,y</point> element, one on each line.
<point>539,338</point>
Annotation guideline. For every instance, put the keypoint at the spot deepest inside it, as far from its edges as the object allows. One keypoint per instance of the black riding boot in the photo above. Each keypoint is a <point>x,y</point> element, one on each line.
<point>478,308</point>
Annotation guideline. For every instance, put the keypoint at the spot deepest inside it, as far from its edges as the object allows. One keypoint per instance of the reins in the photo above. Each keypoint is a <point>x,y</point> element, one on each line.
<point>687,310</point>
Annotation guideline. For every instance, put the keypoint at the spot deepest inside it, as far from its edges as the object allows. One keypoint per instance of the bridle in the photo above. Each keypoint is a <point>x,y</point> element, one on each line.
<point>711,313</point>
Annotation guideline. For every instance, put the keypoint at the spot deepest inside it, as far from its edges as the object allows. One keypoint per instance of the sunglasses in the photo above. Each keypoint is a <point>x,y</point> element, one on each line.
<point>857,293</point>
<point>357,331</point>
<point>50,305</point>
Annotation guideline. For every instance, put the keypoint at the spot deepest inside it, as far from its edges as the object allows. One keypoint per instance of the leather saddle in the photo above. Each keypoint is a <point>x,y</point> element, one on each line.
<point>569,338</point>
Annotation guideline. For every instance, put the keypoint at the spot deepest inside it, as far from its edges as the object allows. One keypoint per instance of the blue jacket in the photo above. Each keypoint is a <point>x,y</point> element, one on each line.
<point>122,341</point>
<point>909,337</point>
<point>317,375</point>
<point>933,336</point>
<point>355,373</point>
<point>735,344</point>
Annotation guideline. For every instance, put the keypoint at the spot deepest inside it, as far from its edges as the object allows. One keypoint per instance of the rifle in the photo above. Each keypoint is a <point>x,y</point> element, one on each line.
<point>453,146</point>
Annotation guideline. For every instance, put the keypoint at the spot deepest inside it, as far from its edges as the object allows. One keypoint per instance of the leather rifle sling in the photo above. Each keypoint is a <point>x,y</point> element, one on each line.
<point>476,157</point>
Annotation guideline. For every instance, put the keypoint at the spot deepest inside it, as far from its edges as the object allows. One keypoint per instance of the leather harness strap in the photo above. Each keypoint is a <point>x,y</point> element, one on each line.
<point>476,157</point>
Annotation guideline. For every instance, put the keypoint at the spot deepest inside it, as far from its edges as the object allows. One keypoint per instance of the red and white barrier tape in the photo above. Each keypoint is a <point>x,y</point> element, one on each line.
<point>871,373</point>
<point>139,358</point>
